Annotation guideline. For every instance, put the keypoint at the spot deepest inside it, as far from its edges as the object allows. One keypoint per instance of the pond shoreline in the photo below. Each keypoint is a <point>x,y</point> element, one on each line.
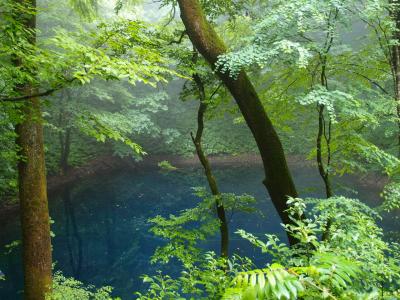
<point>105,165</point>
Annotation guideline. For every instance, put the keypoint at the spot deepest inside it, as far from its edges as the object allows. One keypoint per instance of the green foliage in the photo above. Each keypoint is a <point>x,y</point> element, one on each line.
<point>342,253</point>
<point>166,166</point>
<point>216,8</point>
<point>113,113</point>
<point>184,231</point>
<point>122,49</point>
<point>329,99</point>
<point>352,261</point>
<point>326,272</point>
<point>207,279</point>
<point>8,152</point>
<point>183,238</point>
<point>66,55</point>
<point>111,126</point>
<point>273,282</point>
<point>160,287</point>
<point>71,289</point>
<point>289,54</point>
<point>204,275</point>
<point>391,196</point>
<point>113,50</point>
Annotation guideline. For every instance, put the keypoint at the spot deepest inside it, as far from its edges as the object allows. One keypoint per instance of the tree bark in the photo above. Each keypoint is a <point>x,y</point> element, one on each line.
<point>224,230</point>
<point>278,179</point>
<point>36,242</point>
<point>324,172</point>
<point>34,213</point>
<point>323,133</point>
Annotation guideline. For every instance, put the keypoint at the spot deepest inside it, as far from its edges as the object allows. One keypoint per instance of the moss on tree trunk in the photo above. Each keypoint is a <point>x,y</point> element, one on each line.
<point>33,204</point>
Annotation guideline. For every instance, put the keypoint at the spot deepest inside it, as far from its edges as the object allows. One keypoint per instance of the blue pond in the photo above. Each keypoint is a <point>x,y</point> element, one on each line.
<point>101,229</point>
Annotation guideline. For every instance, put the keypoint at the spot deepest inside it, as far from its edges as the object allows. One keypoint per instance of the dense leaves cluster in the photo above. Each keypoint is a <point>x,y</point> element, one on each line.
<point>352,262</point>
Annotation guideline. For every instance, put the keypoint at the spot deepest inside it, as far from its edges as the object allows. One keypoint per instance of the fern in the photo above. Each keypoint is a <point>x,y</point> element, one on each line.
<point>328,273</point>
<point>274,282</point>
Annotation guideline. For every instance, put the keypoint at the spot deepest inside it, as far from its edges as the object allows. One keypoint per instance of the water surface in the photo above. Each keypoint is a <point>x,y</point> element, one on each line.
<point>101,229</point>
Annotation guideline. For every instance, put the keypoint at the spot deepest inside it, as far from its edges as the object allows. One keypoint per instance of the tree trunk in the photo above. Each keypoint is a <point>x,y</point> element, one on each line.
<point>224,230</point>
<point>34,211</point>
<point>322,133</point>
<point>65,145</point>
<point>323,171</point>
<point>35,223</point>
<point>396,69</point>
<point>278,180</point>
<point>64,135</point>
<point>321,168</point>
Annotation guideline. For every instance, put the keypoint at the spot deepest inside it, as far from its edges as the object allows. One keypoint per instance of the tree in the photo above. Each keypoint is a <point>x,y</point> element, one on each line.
<point>34,211</point>
<point>223,226</point>
<point>278,179</point>
<point>383,19</point>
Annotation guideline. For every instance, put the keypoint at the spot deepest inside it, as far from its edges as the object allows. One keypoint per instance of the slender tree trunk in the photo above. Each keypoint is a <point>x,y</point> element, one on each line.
<point>278,179</point>
<point>224,230</point>
<point>323,133</point>
<point>321,168</point>
<point>65,135</point>
<point>65,145</point>
<point>36,242</point>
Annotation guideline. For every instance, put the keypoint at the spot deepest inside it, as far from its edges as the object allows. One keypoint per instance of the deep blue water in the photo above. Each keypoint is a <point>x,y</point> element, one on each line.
<point>101,233</point>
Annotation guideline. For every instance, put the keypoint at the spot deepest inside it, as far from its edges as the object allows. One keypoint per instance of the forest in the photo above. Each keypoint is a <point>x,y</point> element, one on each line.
<point>199,149</point>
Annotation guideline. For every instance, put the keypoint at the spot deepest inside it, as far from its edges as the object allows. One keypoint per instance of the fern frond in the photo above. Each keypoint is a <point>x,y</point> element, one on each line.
<point>274,282</point>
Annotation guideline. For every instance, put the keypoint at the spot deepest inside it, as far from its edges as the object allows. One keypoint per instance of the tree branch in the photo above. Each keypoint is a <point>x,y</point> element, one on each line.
<point>183,33</point>
<point>41,94</point>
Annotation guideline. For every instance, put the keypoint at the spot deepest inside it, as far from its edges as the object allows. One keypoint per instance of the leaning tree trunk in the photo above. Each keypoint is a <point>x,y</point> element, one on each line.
<point>278,180</point>
<point>36,242</point>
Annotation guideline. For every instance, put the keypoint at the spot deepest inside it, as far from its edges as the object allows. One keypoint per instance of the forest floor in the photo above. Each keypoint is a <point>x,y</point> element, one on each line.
<point>107,164</point>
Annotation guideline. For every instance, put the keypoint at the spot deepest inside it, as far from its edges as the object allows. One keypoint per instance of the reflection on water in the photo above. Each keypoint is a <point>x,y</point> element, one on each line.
<point>72,235</point>
<point>101,233</point>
